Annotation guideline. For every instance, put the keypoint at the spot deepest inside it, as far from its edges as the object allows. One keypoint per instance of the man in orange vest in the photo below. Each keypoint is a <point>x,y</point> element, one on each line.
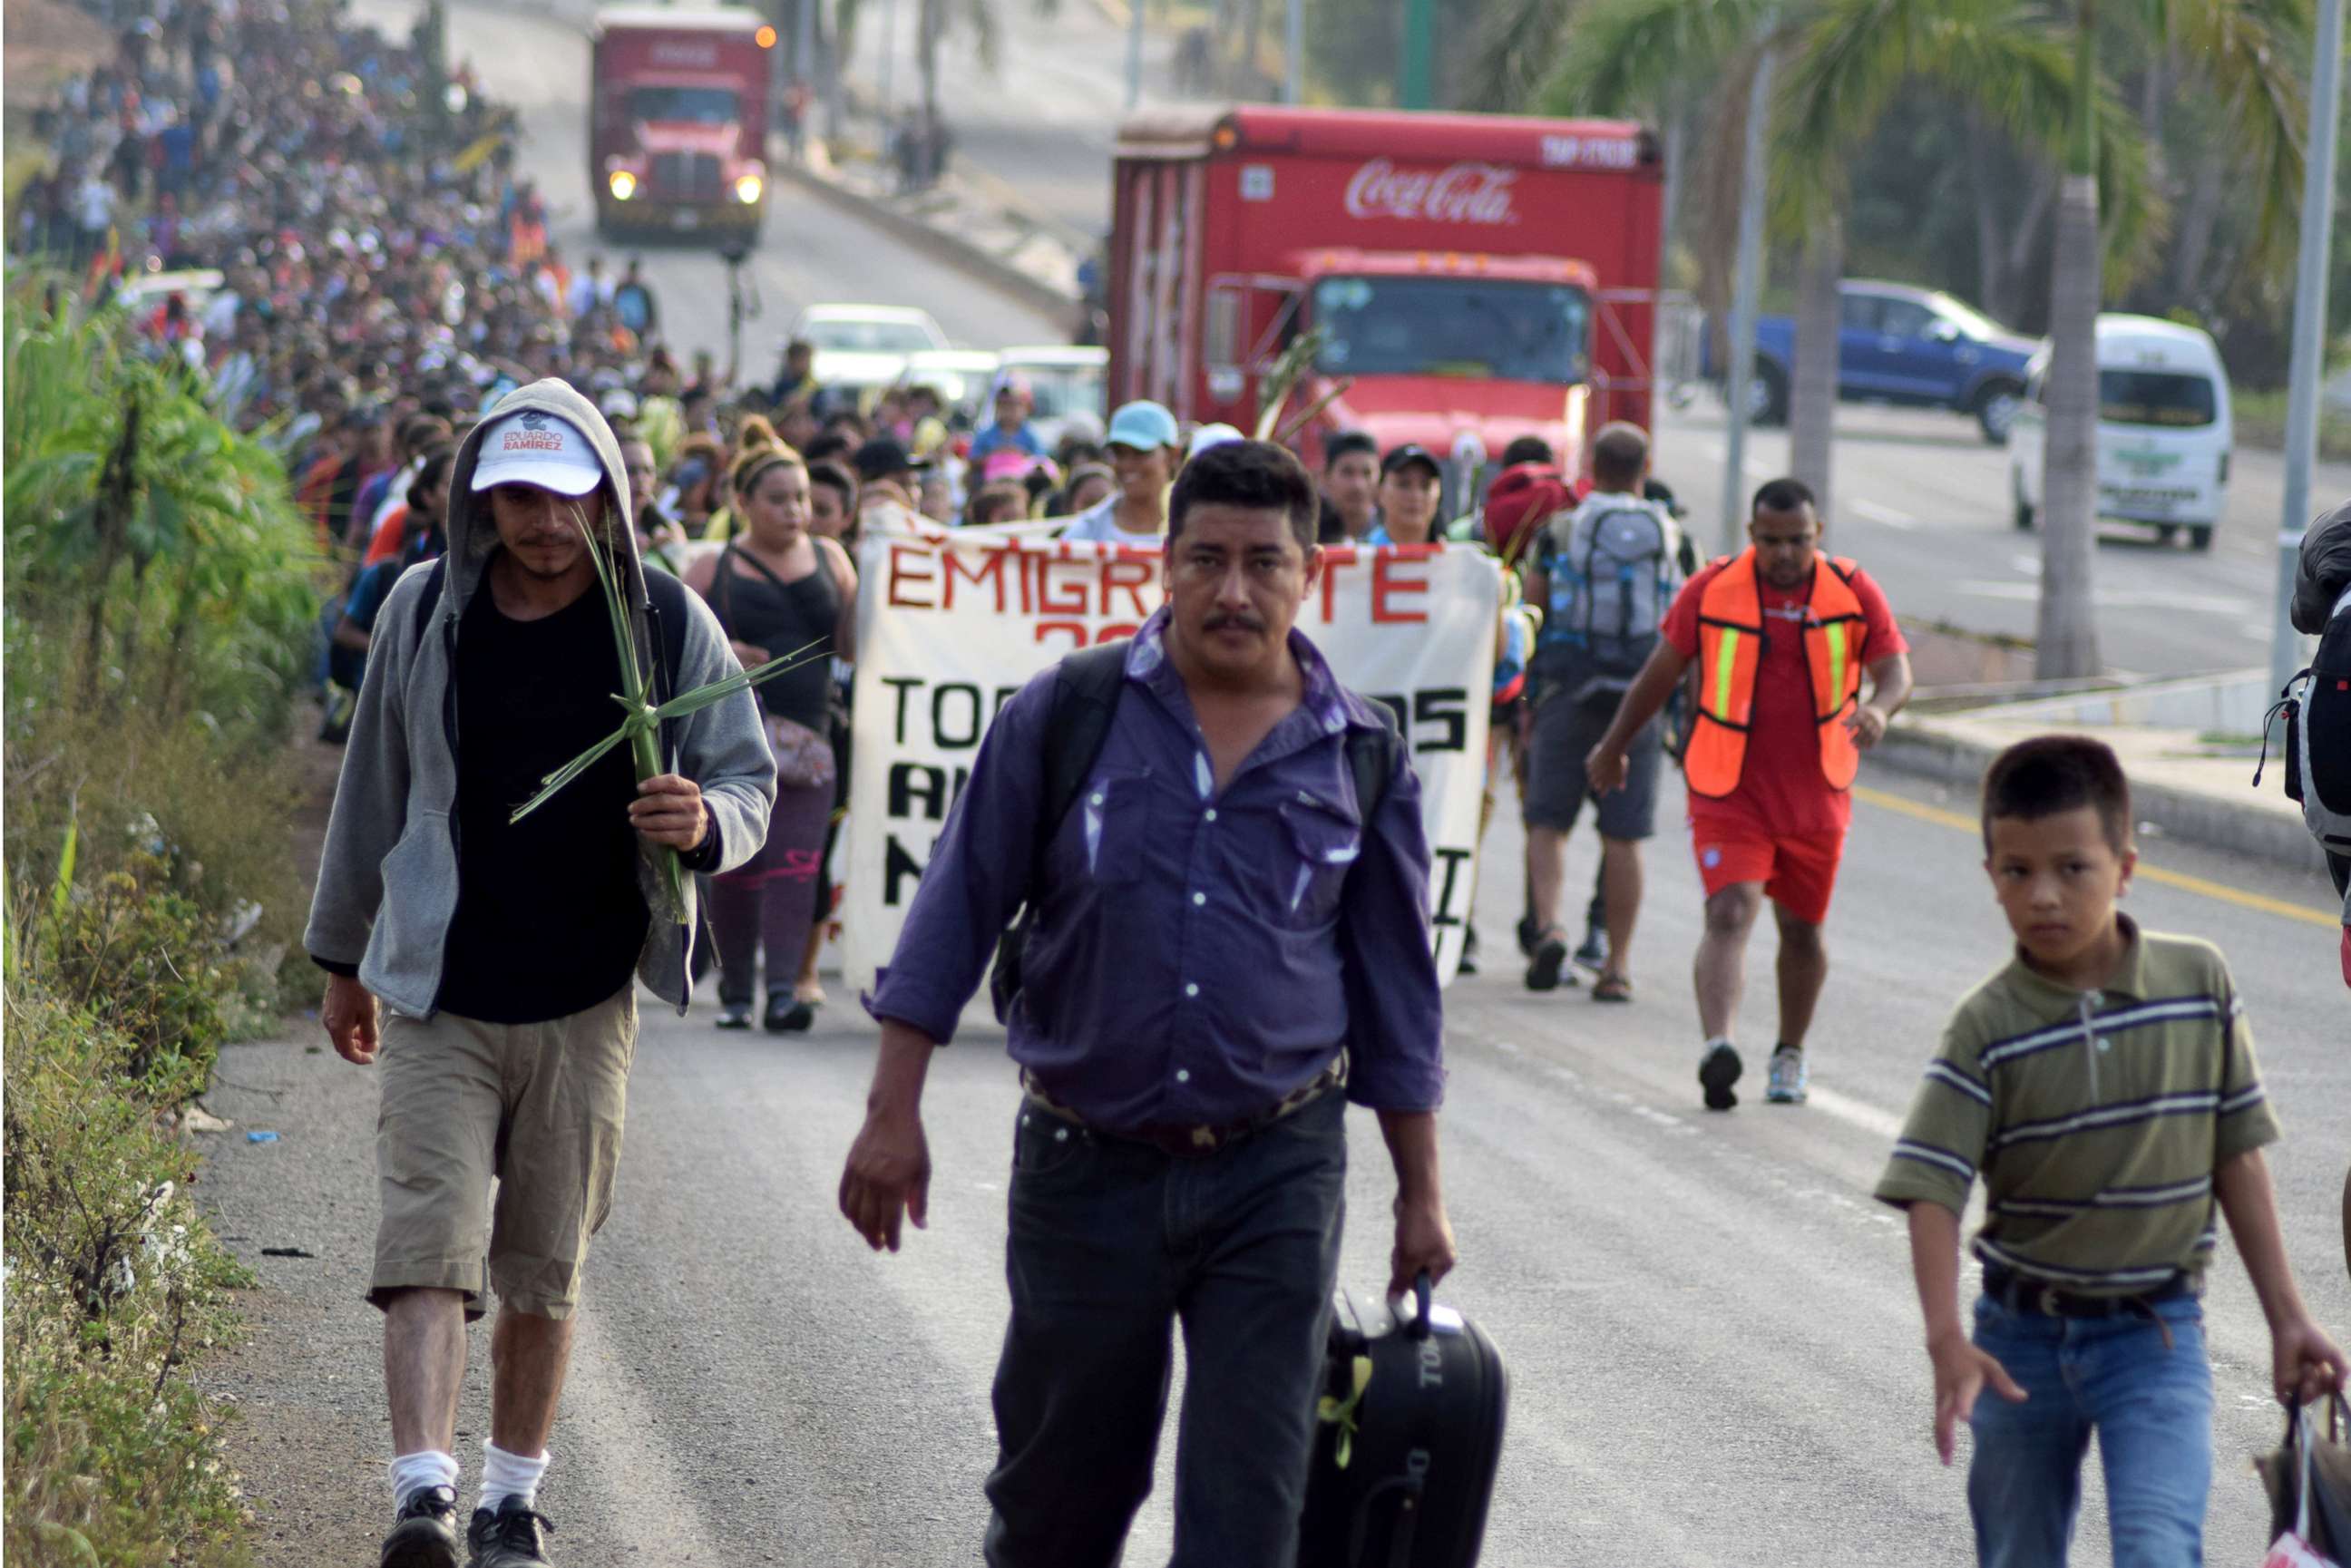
<point>1782,634</point>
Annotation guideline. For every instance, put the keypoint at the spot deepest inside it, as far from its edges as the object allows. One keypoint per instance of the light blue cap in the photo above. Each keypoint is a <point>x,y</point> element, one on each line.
<point>1145,427</point>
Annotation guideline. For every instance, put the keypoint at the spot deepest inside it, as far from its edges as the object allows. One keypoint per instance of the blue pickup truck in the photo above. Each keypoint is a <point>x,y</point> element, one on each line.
<point>1916,348</point>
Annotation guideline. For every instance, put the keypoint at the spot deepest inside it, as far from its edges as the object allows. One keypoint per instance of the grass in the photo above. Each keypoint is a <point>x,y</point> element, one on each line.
<point>2261,421</point>
<point>115,1284</point>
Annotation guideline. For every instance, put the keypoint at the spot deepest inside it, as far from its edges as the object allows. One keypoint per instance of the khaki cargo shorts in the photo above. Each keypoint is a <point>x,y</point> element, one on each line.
<point>538,1106</point>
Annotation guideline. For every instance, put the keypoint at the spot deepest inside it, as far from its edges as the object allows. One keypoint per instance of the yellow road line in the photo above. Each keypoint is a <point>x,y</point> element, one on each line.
<point>2155,873</point>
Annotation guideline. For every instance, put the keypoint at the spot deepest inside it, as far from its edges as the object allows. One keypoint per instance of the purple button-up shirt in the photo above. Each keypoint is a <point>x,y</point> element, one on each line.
<point>1191,959</point>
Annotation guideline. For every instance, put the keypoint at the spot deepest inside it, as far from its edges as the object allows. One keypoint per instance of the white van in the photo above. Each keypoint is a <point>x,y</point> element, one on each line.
<point>2164,430</point>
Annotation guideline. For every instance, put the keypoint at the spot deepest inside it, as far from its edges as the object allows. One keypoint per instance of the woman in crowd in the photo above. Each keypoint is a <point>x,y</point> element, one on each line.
<point>779,592</point>
<point>695,480</point>
<point>1145,450</point>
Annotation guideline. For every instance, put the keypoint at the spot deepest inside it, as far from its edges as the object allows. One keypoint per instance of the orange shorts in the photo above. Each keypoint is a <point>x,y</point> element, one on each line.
<point>1798,871</point>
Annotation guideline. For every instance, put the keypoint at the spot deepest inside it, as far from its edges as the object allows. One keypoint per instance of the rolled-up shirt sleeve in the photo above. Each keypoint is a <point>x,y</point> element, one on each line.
<point>977,878</point>
<point>1396,1012</point>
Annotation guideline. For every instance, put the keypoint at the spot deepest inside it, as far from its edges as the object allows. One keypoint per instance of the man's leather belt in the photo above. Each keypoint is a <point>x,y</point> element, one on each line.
<point>1192,1142</point>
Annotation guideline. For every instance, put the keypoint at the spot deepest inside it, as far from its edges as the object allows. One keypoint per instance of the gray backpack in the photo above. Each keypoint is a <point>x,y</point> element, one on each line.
<point>1611,582</point>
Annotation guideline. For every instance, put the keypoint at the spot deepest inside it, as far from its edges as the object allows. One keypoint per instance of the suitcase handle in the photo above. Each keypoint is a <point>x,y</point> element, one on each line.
<point>1423,1292</point>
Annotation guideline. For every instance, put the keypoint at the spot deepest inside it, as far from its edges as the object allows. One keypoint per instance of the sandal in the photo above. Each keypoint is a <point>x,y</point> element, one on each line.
<point>1612,989</point>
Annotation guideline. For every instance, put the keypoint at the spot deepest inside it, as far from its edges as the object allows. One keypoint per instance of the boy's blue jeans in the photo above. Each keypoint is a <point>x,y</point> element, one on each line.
<point>1112,1245</point>
<point>2150,1407</point>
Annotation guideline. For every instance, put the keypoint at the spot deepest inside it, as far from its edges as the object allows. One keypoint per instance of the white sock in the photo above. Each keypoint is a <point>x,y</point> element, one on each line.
<point>412,1473</point>
<point>1707,1048</point>
<point>506,1475</point>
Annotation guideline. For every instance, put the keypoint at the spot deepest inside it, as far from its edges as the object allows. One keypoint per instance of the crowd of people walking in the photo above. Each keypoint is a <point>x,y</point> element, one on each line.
<point>449,393</point>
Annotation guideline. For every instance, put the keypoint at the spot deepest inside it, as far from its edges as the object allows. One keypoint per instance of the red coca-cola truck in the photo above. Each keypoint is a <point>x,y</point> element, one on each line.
<point>677,118</point>
<point>1477,277</point>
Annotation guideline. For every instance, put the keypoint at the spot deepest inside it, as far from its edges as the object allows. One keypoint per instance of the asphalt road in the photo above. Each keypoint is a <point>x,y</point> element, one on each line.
<point>1710,1326</point>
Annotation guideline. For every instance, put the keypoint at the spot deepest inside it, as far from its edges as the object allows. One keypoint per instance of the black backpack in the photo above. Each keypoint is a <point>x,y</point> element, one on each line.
<point>1085,696</point>
<point>666,609</point>
<point>2318,739</point>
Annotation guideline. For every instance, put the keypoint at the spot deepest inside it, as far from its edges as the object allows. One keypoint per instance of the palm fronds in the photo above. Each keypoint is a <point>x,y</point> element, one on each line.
<point>640,729</point>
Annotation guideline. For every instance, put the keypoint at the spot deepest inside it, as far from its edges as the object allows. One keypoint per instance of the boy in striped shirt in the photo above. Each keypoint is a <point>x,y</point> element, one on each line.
<point>2105,1086</point>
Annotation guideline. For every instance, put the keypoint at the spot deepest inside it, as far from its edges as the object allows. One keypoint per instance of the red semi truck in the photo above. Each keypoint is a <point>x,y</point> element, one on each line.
<point>677,126</point>
<point>1477,277</point>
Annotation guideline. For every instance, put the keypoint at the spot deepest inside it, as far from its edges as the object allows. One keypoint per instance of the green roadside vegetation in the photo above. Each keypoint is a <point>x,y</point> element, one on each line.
<point>2261,421</point>
<point>159,600</point>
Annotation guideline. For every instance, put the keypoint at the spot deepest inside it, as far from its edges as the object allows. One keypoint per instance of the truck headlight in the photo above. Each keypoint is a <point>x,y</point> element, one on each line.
<point>623,185</point>
<point>747,189</point>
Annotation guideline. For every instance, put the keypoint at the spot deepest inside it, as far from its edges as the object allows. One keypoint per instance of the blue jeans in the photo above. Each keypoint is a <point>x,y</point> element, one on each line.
<point>1111,1244</point>
<point>2151,1407</point>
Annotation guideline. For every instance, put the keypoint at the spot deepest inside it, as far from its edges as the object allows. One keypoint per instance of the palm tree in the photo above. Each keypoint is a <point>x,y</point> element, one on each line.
<point>935,20</point>
<point>1629,54</point>
<point>1857,53</point>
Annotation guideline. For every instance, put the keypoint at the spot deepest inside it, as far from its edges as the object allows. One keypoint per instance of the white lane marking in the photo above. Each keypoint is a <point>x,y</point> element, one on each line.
<point>1884,515</point>
<point>2118,598</point>
<point>1860,1113</point>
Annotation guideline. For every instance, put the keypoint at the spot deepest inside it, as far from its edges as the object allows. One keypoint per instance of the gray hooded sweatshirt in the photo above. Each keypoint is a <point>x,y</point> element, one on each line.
<point>388,880</point>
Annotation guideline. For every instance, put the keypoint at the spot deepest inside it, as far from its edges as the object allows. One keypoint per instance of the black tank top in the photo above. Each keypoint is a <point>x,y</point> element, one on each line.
<point>783,617</point>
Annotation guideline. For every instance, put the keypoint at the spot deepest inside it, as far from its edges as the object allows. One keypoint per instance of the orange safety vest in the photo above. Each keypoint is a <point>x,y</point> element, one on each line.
<point>1730,634</point>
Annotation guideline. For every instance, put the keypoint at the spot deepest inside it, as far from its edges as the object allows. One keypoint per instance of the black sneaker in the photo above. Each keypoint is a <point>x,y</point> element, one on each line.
<point>1550,957</point>
<point>514,1537</point>
<point>734,1015</point>
<point>1530,934</point>
<point>425,1531</point>
<point>1468,964</point>
<point>784,1015</point>
<point>1593,954</point>
<point>1717,1072</point>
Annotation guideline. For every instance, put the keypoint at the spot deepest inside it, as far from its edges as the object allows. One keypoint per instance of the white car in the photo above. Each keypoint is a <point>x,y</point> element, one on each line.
<point>962,377</point>
<point>2165,430</point>
<point>865,345</point>
<point>1068,379</point>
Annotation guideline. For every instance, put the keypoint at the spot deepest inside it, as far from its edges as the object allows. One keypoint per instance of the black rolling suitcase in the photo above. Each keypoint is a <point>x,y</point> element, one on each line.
<point>1412,1429</point>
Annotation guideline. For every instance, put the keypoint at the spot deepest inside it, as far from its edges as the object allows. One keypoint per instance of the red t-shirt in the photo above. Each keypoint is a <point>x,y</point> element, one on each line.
<point>1780,789</point>
<point>385,542</point>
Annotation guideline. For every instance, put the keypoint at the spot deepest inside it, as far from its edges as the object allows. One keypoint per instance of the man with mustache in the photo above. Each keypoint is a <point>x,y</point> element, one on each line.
<point>1226,941</point>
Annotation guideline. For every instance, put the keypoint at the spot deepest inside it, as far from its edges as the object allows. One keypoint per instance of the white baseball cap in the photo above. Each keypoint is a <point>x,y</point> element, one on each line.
<point>534,448</point>
<point>1210,436</point>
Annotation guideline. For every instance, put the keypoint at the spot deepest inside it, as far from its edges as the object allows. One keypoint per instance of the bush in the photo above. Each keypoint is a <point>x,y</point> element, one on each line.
<point>160,592</point>
<point>113,1283</point>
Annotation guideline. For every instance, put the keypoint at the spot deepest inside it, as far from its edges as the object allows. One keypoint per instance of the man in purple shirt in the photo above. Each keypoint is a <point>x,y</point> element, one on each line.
<point>1222,952</point>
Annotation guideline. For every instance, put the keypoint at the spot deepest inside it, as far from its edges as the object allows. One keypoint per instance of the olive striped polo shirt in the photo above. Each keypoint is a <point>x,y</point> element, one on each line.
<point>2095,1118</point>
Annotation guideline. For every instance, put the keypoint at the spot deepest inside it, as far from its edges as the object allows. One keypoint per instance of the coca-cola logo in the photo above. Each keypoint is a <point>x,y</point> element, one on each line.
<point>1464,194</point>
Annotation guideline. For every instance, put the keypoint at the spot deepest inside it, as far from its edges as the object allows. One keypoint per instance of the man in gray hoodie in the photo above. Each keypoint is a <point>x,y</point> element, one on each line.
<point>507,954</point>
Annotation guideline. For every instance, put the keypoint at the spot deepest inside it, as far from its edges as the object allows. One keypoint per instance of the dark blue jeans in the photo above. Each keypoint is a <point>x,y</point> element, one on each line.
<point>1114,1242</point>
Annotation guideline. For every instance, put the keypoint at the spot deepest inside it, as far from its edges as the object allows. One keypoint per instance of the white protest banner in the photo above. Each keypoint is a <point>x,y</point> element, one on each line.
<point>949,627</point>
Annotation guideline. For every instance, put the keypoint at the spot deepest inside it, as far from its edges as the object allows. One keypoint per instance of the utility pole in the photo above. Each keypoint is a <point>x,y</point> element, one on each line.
<point>1413,76</point>
<point>889,50</point>
<point>1134,54</point>
<point>804,45</point>
<point>1744,292</point>
<point>1293,55</point>
<point>2309,332</point>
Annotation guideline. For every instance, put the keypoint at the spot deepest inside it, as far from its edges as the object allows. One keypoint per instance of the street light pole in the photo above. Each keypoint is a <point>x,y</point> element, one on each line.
<point>1134,54</point>
<point>2309,332</point>
<point>1743,297</point>
<point>1293,55</point>
<point>889,49</point>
